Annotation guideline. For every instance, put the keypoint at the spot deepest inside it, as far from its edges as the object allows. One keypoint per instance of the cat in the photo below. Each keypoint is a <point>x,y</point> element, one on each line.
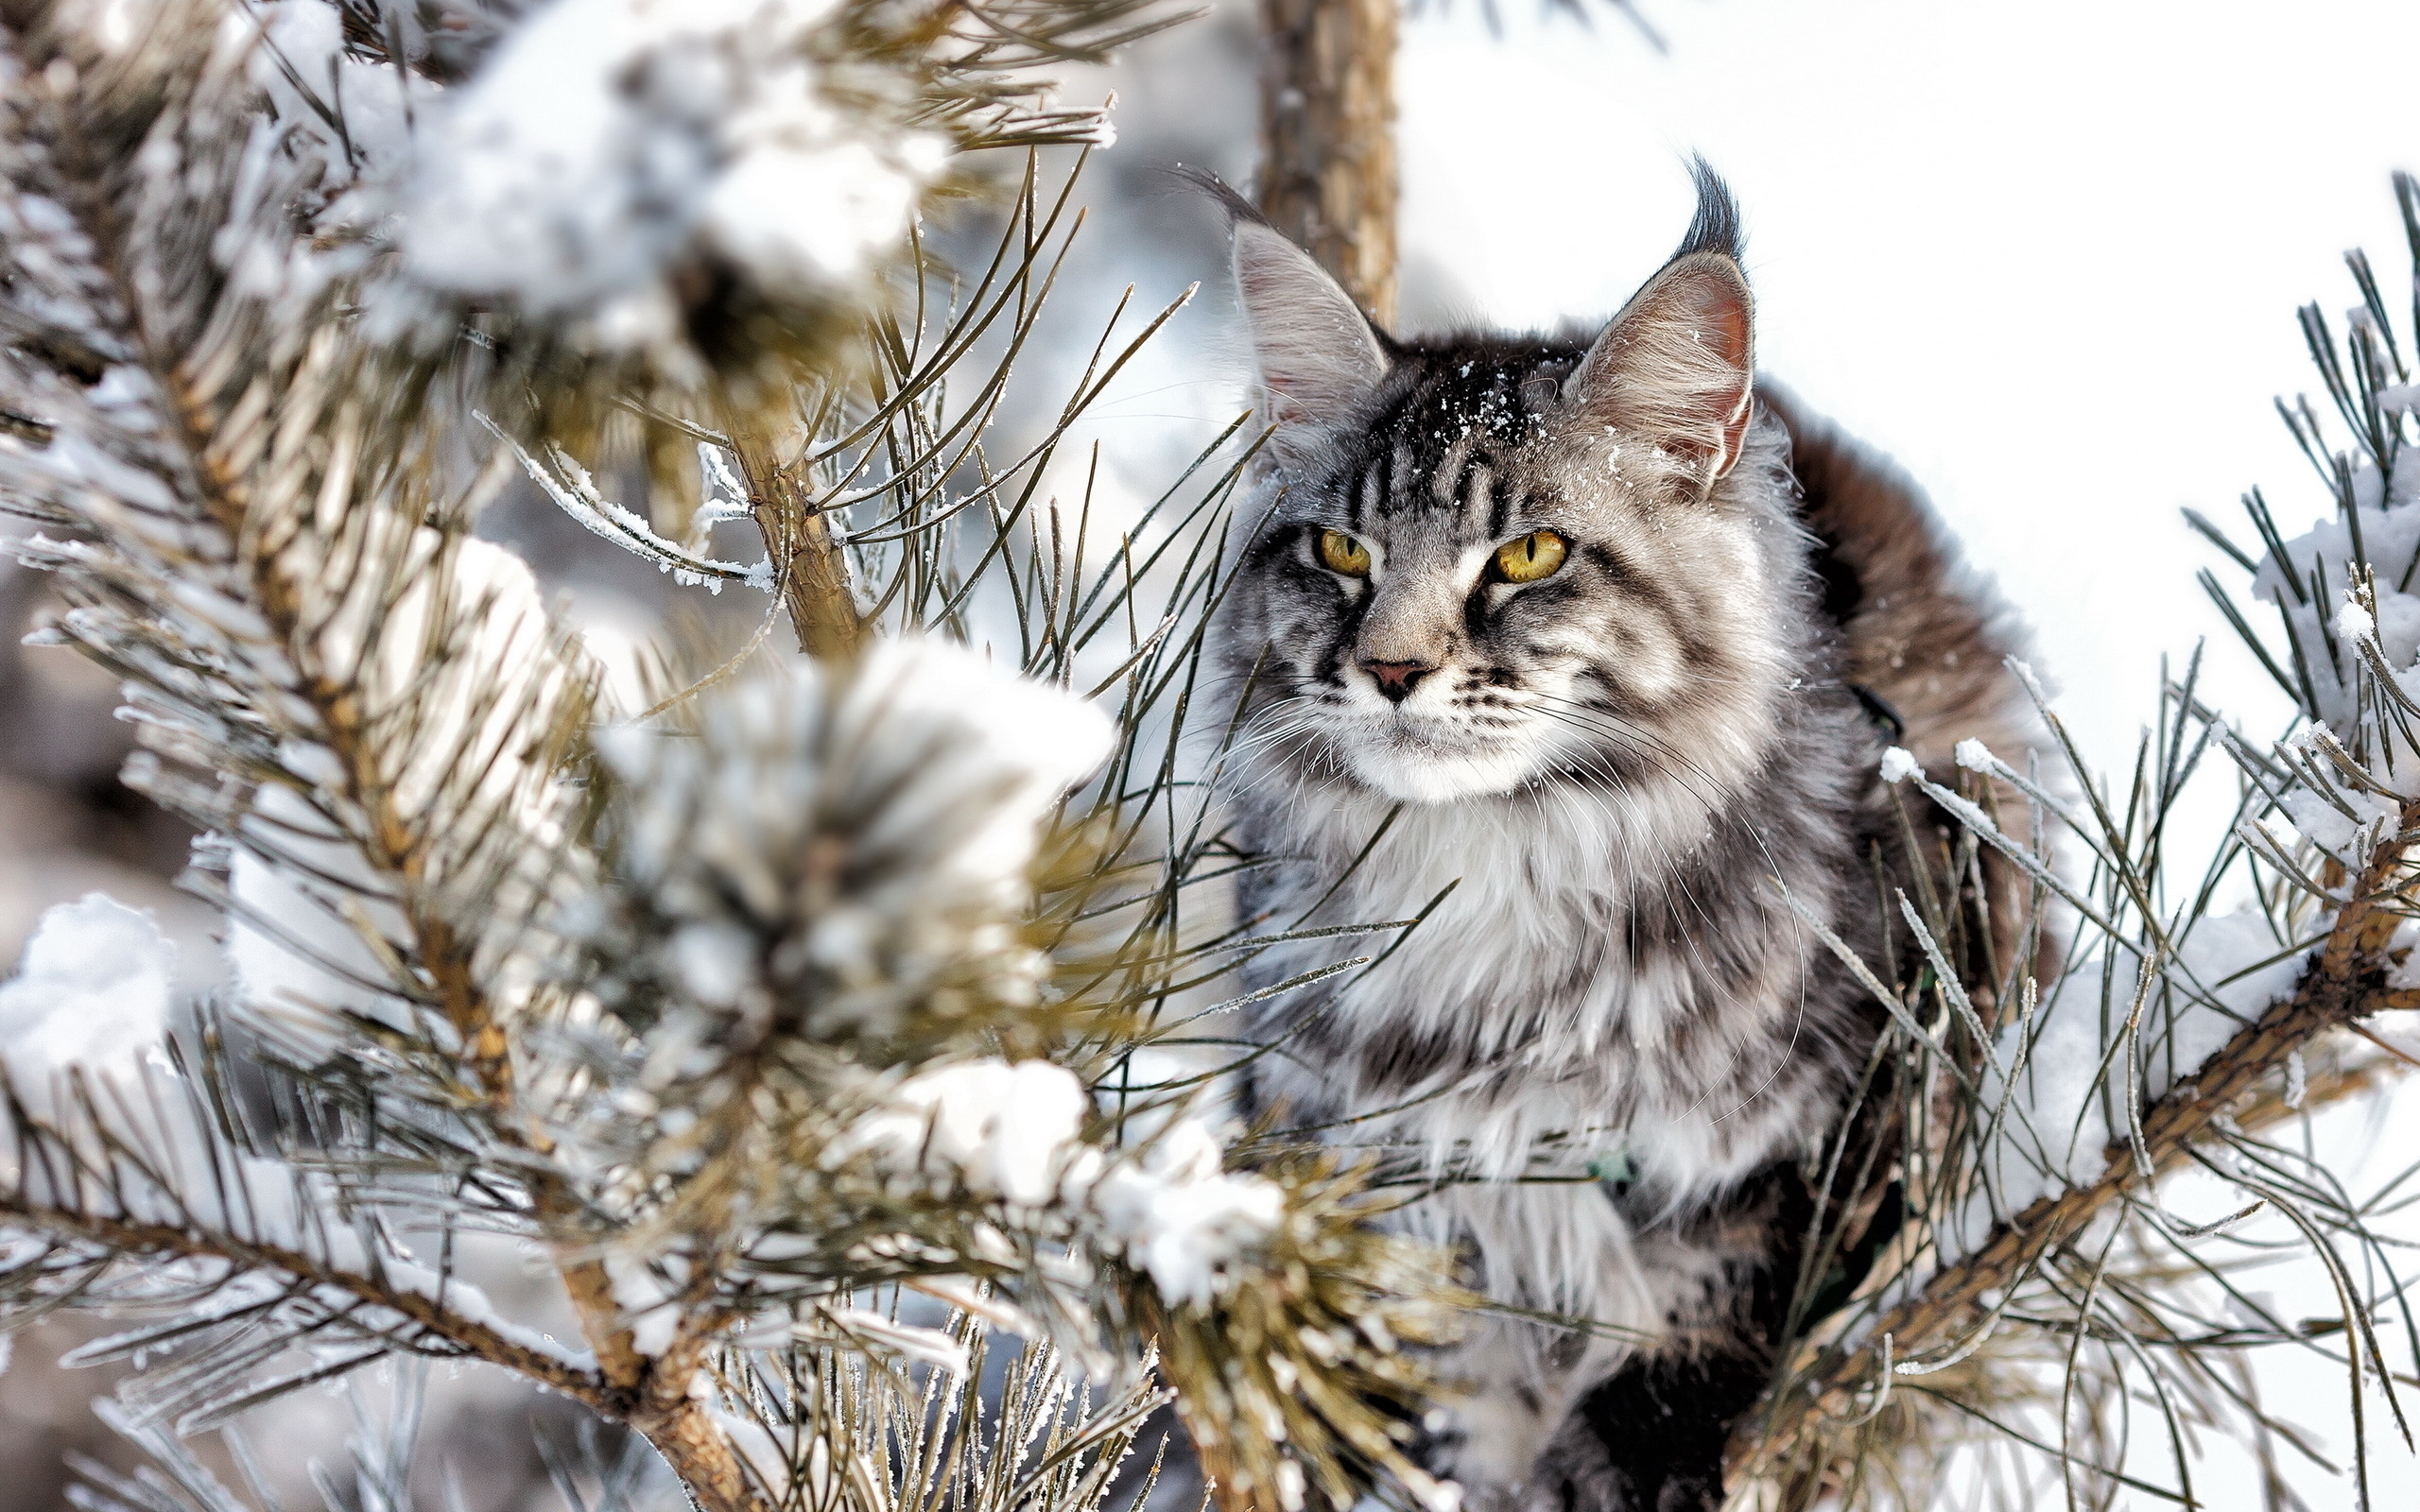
<point>1584,654</point>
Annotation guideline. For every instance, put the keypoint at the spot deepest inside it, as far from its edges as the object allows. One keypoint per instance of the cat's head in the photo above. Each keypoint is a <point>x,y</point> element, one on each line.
<point>1491,561</point>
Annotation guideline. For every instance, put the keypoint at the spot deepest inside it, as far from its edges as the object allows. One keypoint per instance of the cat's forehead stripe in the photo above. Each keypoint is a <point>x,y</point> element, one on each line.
<point>1479,493</point>
<point>1441,444</point>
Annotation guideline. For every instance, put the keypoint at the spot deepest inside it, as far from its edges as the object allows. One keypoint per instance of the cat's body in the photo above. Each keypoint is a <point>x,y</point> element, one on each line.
<point>1610,788</point>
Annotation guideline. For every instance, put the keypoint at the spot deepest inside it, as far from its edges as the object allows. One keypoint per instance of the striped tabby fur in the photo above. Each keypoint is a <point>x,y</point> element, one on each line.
<point>1609,1041</point>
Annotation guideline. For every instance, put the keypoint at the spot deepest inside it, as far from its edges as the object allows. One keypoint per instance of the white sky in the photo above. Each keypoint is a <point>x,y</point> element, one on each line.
<point>2048,254</point>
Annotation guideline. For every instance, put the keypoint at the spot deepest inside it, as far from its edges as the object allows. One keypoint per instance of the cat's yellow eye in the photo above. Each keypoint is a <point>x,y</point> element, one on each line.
<point>1341,553</point>
<point>1534,556</point>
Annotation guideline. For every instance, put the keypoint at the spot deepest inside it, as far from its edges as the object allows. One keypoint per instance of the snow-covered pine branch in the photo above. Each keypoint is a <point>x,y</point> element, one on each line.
<point>826,992</point>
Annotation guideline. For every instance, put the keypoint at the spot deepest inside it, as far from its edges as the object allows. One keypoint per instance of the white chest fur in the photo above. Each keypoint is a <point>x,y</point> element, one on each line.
<point>1523,961</point>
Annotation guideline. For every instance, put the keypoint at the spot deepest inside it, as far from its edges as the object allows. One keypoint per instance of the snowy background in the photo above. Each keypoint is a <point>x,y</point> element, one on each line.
<point>2046,255</point>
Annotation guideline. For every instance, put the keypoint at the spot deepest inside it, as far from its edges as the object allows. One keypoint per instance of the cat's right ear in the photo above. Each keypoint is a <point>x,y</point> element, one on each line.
<point>1316,352</point>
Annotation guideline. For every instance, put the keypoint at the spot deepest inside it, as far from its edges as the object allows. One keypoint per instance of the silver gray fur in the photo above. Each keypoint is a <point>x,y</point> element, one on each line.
<point>1600,798</point>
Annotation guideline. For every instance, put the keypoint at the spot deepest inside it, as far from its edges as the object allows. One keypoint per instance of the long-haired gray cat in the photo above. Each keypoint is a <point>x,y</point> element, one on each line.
<point>1586,649</point>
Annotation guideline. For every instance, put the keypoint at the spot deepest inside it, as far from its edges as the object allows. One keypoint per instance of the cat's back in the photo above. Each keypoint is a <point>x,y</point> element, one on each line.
<point>1920,630</point>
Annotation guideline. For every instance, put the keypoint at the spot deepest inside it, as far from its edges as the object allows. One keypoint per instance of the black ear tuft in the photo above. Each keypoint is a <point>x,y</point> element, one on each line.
<point>1239,209</point>
<point>1715,226</point>
<point>1677,366</point>
<point>1317,351</point>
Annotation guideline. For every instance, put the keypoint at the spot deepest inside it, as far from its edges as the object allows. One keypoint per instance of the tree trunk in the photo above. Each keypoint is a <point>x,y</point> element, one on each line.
<point>1327,138</point>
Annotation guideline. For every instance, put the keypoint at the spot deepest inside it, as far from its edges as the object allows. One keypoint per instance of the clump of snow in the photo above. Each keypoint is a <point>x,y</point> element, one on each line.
<point>608,144</point>
<point>2353,622</point>
<point>1900,764</point>
<point>94,989</point>
<point>1179,1217</point>
<point>1974,756</point>
<point>1015,1132</point>
<point>988,1126</point>
<point>299,164</point>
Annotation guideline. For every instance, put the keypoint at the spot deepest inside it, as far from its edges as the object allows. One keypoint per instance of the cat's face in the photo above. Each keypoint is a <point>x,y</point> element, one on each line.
<point>1495,563</point>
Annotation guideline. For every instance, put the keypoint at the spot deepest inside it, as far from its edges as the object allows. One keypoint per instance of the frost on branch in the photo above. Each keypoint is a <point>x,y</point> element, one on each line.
<point>825,857</point>
<point>829,874</point>
<point>1013,1132</point>
<point>2057,1093</point>
<point>834,873</point>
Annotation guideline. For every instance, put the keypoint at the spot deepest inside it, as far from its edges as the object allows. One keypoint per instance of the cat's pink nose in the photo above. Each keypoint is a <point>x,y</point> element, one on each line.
<point>1396,677</point>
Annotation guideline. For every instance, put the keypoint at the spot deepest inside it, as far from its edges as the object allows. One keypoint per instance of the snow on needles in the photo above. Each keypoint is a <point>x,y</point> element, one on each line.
<point>1015,1132</point>
<point>828,855</point>
<point>94,991</point>
<point>994,1128</point>
<point>607,143</point>
<point>1179,1216</point>
<point>844,859</point>
<point>2337,639</point>
<point>2070,1089</point>
<point>2325,636</point>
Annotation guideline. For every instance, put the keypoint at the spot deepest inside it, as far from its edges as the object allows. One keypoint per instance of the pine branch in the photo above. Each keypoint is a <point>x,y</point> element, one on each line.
<point>521,955</point>
<point>2345,984</point>
<point>809,564</point>
<point>315,527</point>
<point>126,1238</point>
<point>397,843</point>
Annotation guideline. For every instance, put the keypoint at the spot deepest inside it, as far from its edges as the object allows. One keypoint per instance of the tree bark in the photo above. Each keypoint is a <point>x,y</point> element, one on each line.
<point>815,572</point>
<point>1327,138</point>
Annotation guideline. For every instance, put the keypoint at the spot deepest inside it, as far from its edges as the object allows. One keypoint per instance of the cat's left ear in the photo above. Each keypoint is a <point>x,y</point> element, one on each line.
<point>1677,367</point>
